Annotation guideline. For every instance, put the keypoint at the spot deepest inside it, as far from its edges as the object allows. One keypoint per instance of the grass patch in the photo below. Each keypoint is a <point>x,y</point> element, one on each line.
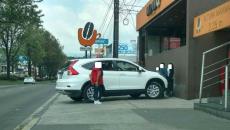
<point>10,82</point>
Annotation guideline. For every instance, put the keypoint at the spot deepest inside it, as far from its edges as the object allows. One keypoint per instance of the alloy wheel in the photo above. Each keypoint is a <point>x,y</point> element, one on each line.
<point>153,90</point>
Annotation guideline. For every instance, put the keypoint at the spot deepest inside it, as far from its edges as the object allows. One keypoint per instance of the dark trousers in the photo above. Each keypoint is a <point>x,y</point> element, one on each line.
<point>170,86</point>
<point>97,92</point>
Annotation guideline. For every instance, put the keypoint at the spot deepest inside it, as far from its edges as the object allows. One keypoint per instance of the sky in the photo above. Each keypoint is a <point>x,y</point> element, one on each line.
<point>64,17</point>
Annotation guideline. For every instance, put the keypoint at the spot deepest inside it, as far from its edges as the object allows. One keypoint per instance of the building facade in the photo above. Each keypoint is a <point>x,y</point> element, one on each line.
<point>178,32</point>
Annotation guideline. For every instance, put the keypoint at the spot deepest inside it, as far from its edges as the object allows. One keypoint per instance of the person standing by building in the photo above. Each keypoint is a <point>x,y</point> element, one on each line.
<point>170,79</point>
<point>163,70</point>
<point>96,78</point>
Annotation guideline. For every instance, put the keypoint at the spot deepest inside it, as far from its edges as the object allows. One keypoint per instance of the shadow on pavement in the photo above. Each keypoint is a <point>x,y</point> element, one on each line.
<point>112,99</point>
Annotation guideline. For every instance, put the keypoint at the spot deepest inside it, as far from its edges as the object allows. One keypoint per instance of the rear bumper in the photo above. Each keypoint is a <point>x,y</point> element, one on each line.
<point>70,84</point>
<point>70,93</point>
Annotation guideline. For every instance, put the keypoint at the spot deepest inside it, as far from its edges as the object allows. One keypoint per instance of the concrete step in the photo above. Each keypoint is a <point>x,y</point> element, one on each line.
<point>214,109</point>
<point>218,100</point>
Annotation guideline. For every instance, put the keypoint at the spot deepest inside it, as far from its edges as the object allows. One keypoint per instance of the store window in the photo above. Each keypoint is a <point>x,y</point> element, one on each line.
<point>169,43</point>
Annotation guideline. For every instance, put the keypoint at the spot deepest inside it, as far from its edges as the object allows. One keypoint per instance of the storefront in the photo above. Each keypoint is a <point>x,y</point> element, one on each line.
<point>178,32</point>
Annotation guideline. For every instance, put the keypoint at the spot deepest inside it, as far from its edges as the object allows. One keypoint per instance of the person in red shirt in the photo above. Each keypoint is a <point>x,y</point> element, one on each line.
<point>96,78</point>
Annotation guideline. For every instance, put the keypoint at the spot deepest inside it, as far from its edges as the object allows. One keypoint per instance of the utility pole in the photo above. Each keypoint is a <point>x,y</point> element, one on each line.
<point>116,29</point>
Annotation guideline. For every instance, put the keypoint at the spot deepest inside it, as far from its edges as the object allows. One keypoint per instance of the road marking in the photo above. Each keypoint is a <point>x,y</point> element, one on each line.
<point>33,119</point>
<point>33,122</point>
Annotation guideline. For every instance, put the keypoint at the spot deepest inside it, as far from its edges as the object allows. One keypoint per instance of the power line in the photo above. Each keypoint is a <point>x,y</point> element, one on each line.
<point>137,6</point>
<point>106,16</point>
<point>132,19</point>
<point>105,2</point>
<point>126,20</point>
<point>110,21</point>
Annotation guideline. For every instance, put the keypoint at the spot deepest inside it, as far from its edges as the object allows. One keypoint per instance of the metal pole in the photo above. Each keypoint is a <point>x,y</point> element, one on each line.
<point>86,54</point>
<point>226,88</point>
<point>116,29</point>
<point>201,79</point>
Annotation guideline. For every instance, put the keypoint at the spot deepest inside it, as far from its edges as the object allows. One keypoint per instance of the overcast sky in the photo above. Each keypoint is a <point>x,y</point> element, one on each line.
<point>64,17</point>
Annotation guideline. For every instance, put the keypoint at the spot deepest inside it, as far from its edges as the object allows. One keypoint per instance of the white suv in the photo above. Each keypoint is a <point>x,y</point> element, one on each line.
<point>121,77</point>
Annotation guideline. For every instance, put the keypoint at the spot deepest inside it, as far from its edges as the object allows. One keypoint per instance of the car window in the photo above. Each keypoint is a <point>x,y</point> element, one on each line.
<point>126,66</point>
<point>65,66</point>
<point>108,66</point>
<point>88,66</point>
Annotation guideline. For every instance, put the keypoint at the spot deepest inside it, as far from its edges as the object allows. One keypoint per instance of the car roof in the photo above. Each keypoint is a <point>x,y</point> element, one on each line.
<point>101,59</point>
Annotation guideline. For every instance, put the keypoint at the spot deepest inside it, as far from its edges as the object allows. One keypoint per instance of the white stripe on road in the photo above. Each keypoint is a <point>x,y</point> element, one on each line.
<point>33,119</point>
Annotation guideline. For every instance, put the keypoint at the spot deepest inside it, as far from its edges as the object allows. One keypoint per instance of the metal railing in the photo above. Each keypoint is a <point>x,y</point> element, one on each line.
<point>211,69</point>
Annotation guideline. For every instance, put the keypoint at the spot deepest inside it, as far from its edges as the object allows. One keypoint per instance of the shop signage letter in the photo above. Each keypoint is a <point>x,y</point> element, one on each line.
<point>153,7</point>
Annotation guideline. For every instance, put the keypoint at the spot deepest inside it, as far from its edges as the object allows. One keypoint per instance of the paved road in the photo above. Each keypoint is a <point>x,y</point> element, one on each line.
<point>123,113</point>
<point>18,102</point>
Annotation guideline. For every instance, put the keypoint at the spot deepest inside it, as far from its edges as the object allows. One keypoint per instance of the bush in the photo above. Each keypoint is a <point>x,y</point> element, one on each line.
<point>12,77</point>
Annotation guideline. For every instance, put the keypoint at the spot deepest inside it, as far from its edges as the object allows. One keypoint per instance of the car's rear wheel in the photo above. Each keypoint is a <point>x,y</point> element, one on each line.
<point>136,95</point>
<point>154,90</point>
<point>76,98</point>
<point>88,93</point>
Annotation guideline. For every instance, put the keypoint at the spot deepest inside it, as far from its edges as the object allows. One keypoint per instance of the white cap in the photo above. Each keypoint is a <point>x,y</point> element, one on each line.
<point>98,65</point>
<point>170,66</point>
<point>157,68</point>
<point>162,66</point>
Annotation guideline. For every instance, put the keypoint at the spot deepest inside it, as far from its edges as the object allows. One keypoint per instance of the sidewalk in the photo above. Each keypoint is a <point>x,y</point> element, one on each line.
<point>123,113</point>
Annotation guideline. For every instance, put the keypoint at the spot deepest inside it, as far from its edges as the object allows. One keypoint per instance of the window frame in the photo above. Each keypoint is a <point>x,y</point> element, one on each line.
<point>137,67</point>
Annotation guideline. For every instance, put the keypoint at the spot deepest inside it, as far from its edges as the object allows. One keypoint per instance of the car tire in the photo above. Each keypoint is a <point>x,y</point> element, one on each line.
<point>88,93</point>
<point>136,95</point>
<point>76,98</point>
<point>154,90</point>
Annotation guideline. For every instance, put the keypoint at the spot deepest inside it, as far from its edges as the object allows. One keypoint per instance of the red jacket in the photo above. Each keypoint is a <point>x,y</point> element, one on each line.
<point>96,76</point>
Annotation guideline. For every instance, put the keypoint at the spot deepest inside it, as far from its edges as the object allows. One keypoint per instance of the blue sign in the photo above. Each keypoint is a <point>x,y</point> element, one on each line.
<point>22,59</point>
<point>102,41</point>
<point>124,48</point>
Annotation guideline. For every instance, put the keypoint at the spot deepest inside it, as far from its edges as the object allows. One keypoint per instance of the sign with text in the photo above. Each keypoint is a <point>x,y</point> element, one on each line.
<point>85,48</point>
<point>213,20</point>
<point>124,48</point>
<point>102,41</point>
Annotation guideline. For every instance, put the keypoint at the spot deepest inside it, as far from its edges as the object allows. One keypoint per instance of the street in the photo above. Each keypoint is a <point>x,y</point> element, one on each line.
<point>124,113</point>
<point>19,101</point>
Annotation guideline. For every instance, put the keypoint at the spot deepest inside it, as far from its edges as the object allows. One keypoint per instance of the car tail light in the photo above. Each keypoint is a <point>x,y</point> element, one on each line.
<point>71,70</point>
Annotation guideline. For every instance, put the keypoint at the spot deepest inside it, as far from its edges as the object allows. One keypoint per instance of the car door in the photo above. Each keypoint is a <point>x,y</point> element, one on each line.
<point>129,76</point>
<point>110,75</point>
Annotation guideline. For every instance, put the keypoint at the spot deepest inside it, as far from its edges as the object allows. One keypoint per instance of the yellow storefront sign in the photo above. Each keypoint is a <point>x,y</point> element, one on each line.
<point>150,11</point>
<point>213,20</point>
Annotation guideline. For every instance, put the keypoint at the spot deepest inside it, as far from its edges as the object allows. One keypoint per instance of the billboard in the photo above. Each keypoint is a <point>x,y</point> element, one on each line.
<point>125,48</point>
<point>102,41</point>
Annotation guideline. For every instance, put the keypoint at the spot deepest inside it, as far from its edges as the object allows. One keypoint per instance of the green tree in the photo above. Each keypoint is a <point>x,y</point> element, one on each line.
<point>33,40</point>
<point>15,16</point>
<point>54,56</point>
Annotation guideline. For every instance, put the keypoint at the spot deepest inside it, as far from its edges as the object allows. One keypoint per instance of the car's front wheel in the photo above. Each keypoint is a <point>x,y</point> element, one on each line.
<point>154,90</point>
<point>88,93</point>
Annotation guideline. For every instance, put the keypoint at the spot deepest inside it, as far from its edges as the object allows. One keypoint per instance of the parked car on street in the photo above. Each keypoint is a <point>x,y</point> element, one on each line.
<point>29,80</point>
<point>121,77</point>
